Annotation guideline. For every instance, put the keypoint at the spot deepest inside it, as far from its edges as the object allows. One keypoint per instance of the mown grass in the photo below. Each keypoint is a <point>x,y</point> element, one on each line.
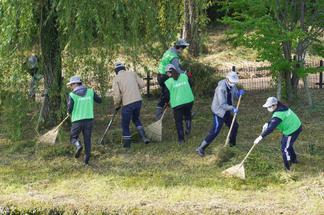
<point>165,178</point>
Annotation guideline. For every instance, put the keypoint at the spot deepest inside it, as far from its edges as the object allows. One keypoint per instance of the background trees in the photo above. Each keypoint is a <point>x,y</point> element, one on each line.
<point>278,30</point>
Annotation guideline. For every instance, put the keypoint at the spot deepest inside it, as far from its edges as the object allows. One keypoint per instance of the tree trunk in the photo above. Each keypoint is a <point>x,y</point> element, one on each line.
<point>51,56</point>
<point>308,94</point>
<point>279,87</point>
<point>190,26</point>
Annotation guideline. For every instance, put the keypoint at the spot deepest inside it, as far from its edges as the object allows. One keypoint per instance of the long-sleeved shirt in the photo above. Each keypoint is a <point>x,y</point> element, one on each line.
<point>176,61</point>
<point>81,91</point>
<point>126,88</point>
<point>274,121</point>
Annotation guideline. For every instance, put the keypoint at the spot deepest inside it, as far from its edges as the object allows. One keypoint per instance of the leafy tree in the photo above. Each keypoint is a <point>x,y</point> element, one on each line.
<point>278,30</point>
<point>64,30</point>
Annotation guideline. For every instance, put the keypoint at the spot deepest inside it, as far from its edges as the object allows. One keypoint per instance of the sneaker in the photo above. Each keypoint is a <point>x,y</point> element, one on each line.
<point>181,142</point>
<point>200,152</point>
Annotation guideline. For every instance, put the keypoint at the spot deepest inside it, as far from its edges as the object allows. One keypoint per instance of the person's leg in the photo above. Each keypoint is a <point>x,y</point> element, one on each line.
<point>74,137</point>
<point>285,143</point>
<point>187,116</point>
<point>228,118</point>
<point>159,108</point>
<point>136,120</point>
<point>87,131</point>
<point>290,149</point>
<point>214,131</point>
<point>126,118</point>
<point>178,117</point>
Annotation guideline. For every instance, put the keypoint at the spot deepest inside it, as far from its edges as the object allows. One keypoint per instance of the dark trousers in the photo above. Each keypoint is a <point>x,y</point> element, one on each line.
<point>287,150</point>
<point>84,126</point>
<point>131,112</point>
<point>182,112</point>
<point>164,91</point>
<point>217,126</point>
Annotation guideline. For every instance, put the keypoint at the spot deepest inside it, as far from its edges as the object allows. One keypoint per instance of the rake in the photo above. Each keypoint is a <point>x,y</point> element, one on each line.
<point>238,170</point>
<point>50,136</point>
<point>108,127</point>
<point>154,130</point>
<point>230,130</point>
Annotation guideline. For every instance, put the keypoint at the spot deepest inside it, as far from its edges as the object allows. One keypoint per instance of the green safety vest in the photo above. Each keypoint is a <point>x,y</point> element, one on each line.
<point>290,121</point>
<point>180,91</point>
<point>167,58</point>
<point>83,106</point>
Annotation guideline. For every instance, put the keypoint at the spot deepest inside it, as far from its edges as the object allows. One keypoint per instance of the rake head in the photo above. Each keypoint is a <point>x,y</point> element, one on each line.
<point>154,131</point>
<point>235,171</point>
<point>49,137</point>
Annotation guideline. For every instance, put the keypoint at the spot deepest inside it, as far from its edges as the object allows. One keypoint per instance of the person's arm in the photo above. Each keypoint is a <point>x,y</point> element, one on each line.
<point>70,105</point>
<point>116,93</point>
<point>222,100</point>
<point>176,64</point>
<point>97,98</point>
<point>272,125</point>
<point>140,82</point>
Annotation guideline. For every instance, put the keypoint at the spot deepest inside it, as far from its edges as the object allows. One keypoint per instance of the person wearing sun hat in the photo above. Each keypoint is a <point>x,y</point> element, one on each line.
<point>80,108</point>
<point>222,107</point>
<point>288,123</point>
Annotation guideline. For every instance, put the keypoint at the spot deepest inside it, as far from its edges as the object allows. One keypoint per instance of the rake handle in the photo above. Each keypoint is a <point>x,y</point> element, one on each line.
<point>165,109</point>
<point>232,124</point>
<point>59,125</point>
<point>108,126</point>
<point>247,155</point>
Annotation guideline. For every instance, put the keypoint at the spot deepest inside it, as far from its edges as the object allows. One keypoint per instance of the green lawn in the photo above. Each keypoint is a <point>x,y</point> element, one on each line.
<point>164,178</point>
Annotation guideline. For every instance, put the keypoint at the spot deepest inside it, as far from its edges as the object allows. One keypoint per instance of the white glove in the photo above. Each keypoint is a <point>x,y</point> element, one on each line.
<point>257,140</point>
<point>265,126</point>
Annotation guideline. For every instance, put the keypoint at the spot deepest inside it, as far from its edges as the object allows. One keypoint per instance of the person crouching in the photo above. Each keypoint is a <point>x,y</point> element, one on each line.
<point>288,123</point>
<point>181,100</point>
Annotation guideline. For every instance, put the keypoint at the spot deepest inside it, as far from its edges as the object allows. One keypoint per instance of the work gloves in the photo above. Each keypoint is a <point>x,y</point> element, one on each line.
<point>240,93</point>
<point>258,139</point>
<point>235,110</point>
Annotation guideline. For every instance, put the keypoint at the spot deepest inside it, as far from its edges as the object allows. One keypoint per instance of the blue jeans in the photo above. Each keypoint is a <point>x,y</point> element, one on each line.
<point>217,126</point>
<point>130,112</point>
<point>287,150</point>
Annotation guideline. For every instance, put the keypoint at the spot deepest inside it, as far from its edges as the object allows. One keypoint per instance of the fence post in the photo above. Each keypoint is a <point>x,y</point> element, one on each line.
<point>148,79</point>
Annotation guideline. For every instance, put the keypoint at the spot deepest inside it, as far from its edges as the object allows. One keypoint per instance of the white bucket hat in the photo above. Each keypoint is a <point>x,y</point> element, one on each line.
<point>270,101</point>
<point>169,67</point>
<point>74,80</point>
<point>232,77</point>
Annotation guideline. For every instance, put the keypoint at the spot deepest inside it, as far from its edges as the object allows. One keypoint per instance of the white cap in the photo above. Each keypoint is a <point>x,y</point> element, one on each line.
<point>270,101</point>
<point>74,80</point>
<point>232,77</point>
<point>169,67</point>
<point>119,65</point>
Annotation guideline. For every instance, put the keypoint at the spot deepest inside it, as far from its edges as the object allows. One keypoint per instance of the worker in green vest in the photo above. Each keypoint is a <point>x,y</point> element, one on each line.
<point>80,107</point>
<point>171,56</point>
<point>181,99</point>
<point>288,123</point>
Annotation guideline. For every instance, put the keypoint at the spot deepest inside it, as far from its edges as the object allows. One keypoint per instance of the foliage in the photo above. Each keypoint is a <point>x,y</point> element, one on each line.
<point>278,30</point>
<point>204,77</point>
